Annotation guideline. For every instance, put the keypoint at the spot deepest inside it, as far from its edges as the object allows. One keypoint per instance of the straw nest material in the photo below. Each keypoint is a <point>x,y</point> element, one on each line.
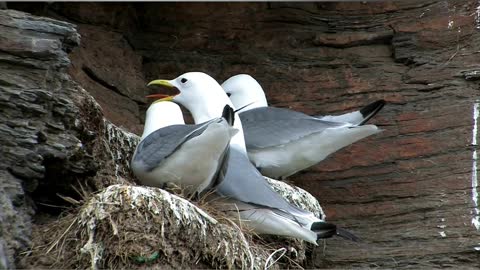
<point>127,226</point>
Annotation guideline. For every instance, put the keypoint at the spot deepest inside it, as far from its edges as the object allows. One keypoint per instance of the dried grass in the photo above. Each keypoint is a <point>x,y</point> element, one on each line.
<point>136,227</point>
<point>128,226</point>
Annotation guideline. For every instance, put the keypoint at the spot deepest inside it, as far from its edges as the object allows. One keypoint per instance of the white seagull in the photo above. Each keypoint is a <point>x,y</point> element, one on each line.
<point>281,142</point>
<point>167,146</point>
<point>243,186</point>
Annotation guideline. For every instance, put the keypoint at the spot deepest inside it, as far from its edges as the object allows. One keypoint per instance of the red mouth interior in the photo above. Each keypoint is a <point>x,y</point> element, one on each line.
<point>157,96</point>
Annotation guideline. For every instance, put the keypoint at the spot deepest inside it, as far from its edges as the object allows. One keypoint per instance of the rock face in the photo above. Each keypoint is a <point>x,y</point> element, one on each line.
<point>410,192</point>
<point>32,51</point>
<point>52,132</point>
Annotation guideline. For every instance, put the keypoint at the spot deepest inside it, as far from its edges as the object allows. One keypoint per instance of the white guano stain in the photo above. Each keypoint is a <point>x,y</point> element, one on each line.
<point>475,218</point>
<point>477,16</point>
<point>450,24</point>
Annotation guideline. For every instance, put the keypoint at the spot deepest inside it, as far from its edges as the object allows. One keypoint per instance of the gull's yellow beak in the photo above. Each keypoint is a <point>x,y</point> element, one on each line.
<point>161,82</point>
<point>161,97</point>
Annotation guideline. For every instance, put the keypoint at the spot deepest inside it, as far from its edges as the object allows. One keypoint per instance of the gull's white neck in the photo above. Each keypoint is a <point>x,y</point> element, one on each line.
<point>213,108</point>
<point>162,114</point>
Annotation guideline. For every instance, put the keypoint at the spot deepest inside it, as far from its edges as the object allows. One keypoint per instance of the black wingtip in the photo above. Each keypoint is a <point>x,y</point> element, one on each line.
<point>244,106</point>
<point>371,110</point>
<point>229,114</point>
<point>324,229</point>
<point>327,230</point>
<point>347,235</point>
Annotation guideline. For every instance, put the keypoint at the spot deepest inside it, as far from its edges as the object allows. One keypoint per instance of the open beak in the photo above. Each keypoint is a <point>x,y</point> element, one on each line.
<point>161,97</point>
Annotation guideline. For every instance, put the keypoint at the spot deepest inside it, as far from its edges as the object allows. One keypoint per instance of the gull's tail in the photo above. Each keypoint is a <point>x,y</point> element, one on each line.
<point>327,230</point>
<point>357,118</point>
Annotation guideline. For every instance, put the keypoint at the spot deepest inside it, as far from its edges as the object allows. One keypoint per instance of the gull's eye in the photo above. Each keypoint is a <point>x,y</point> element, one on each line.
<point>183,80</point>
<point>229,94</point>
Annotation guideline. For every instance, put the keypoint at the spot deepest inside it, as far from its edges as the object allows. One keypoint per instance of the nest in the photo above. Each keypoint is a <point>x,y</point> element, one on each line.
<point>137,227</point>
<point>127,226</point>
<point>298,197</point>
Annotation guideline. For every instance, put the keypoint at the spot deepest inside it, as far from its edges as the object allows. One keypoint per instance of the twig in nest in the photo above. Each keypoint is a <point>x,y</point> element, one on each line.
<point>52,205</point>
<point>54,244</point>
<point>69,199</point>
<point>267,265</point>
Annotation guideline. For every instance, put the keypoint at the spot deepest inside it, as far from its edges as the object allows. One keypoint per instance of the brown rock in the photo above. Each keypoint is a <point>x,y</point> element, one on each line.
<point>106,65</point>
<point>32,120</point>
<point>407,191</point>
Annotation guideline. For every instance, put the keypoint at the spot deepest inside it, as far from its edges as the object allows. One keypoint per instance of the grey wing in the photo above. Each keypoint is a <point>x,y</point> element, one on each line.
<point>269,113</point>
<point>163,142</point>
<point>269,126</point>
<point>244,182</point>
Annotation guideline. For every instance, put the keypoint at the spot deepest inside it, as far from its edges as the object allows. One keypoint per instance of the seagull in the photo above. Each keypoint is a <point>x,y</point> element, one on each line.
<point>281,142</point>
<point>243,187</point>
<point>167,147</point>
<point>246,93</point>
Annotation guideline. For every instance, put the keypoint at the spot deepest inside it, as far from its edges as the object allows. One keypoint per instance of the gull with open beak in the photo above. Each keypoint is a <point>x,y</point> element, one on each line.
<point>243,187</point>
<point>281,142</point>
<point>167,146</point>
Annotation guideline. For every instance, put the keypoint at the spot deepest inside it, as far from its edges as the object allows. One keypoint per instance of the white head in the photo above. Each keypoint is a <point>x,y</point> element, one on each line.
<point>244,90</point>
<point>203,97</point>
<point>162,114</point>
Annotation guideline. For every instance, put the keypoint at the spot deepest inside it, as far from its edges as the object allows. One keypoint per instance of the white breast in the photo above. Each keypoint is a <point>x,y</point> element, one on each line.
<point>195,163</point>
